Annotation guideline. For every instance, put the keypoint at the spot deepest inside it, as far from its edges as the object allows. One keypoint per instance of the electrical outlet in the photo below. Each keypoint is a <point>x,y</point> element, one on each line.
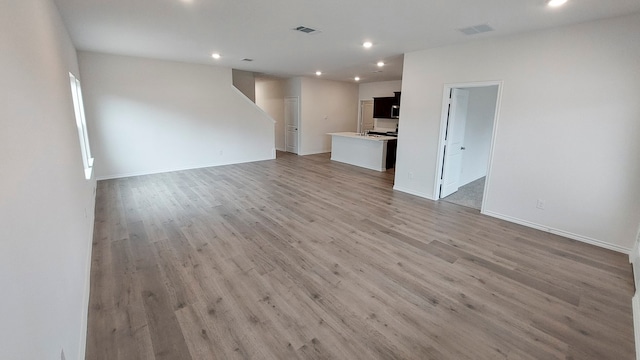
<point>540,204</point>
<point>410,174</point>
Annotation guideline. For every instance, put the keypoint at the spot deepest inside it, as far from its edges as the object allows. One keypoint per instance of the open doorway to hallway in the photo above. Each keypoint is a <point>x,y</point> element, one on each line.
<point>366,121</point>
<point>469,121</point>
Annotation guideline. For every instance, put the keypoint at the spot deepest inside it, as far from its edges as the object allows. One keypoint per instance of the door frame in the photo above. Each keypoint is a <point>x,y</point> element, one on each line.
<point>360,114</point>
<point>457,128</point>
<point>297,98</point>
<point>443,129</point>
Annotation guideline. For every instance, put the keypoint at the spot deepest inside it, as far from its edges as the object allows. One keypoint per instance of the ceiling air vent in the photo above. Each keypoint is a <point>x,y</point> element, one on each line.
<point>305,30</point>
<point>478,29</point>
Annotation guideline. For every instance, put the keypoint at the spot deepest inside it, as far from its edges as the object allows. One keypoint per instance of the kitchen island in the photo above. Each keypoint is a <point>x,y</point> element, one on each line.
<point>375,152</point>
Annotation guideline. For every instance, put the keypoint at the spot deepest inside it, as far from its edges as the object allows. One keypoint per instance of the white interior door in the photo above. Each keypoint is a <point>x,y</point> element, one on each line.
<point>291,124</point>
<point>454,142</point>
<point>366,115</point>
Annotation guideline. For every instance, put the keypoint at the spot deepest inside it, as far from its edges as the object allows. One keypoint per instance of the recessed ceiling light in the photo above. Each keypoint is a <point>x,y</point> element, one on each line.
<point>380,63</point>
<point>367,44</point>
<point>215,56</point>
<point>555,3</point>
<point>357,78</point>
<point>318,72</point>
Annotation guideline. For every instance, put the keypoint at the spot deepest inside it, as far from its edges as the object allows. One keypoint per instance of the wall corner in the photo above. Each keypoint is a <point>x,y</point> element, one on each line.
<point>634,258</point>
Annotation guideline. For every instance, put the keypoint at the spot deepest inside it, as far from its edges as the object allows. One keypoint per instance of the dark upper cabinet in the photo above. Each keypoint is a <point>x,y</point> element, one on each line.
<point>382,106</point>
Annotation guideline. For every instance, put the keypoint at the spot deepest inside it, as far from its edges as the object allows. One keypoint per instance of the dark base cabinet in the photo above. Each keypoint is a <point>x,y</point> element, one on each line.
<point>392,145</point>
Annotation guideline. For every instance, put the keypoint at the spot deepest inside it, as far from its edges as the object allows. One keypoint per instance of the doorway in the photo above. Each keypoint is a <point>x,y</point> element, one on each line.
<point>291,124</point>
<point>366,121</point>
<point>469,116</point>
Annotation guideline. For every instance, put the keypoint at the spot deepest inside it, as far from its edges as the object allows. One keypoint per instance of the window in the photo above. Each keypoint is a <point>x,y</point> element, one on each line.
<point>81,123</point>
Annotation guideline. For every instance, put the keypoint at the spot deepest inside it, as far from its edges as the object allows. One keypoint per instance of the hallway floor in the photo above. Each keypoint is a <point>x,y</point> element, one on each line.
<point>469,195</point>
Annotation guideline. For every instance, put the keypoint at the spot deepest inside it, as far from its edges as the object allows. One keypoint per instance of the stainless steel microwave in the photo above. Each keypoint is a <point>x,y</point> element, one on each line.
<point>395,112</point>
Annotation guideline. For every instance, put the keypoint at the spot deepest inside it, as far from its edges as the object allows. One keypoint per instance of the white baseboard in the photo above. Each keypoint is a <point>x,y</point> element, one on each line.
<point>84,320</point>
<point>314,152</point>
<point>413,192</point>
<point>566,234</point>
<point>159,171</point>
<point>634,258</point>
<point>636,322</point>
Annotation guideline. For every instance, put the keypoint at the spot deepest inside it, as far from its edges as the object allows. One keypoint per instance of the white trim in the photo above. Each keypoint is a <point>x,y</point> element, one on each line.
<point>444,114</point>
<point>635,305</point>
<point>413,192</point>
<point>88,172</point>
<point>159,171</point>
<point>84,321</point>
<point>494,136</point>
<point>360,119</point>
<point>563,233</point>
<point>634,256</point>
<point>299,123</point>
<point>81,124</point>
<point>634,259</point>
<point>316,152</point>
<point>359,124</point>
<point>443,128</point>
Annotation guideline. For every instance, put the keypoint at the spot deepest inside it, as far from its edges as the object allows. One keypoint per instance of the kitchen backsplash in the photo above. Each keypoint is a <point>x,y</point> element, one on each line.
<point>385,124</point>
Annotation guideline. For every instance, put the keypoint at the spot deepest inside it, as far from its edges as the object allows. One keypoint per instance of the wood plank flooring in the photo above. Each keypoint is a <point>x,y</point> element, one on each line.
<point>304,258</point>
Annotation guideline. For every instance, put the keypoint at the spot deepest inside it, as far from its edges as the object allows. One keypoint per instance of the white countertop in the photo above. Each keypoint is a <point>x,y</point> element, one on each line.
<point>364,137</point>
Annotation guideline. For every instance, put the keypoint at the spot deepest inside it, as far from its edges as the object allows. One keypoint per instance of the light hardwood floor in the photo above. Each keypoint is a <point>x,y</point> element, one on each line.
<point>302,258</point>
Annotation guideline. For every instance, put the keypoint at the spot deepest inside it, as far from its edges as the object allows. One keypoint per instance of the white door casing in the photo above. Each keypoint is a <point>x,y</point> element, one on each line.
<point>291,124</point>
<point>454,148</point>
<point>366,115</point>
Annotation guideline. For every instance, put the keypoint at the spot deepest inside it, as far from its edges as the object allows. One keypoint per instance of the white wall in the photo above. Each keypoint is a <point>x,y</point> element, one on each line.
<point>270,98</point>
<point>46,205</point>
<point>245,81</point>
<point>567,131</point>
<point>148,116</point>
<point>368,91</point>
<point>478,131</point>
<point>326,106</point>
<point>293,87</point>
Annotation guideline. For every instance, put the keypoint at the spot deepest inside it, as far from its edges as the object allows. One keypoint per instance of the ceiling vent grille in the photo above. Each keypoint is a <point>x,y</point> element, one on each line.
<point>477,29</point>
<point>306,30</point>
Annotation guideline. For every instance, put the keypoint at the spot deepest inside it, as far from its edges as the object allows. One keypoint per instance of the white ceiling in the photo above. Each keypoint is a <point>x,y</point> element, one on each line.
<point>190,30</point>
